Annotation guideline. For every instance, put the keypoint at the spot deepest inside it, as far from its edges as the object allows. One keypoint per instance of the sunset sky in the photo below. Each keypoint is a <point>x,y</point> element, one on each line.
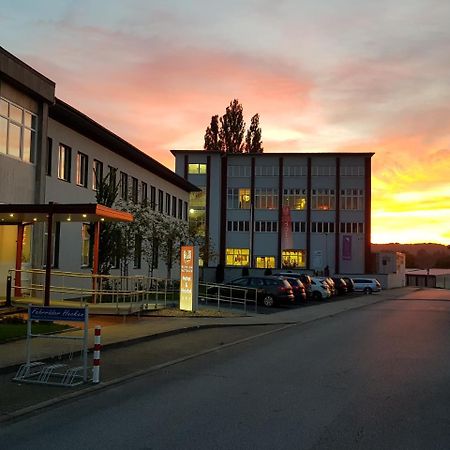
<point>324,75</point>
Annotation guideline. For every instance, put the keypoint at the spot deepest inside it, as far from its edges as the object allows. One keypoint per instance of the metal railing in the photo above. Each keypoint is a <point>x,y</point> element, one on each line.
<point>137,291</point>
<point>227,296</point>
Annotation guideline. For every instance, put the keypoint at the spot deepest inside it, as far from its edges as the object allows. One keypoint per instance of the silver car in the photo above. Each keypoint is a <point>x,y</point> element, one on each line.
<point>366,285</point>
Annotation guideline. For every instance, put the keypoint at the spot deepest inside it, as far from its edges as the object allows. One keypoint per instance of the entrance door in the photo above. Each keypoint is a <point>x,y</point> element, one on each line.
<point>8,238</point>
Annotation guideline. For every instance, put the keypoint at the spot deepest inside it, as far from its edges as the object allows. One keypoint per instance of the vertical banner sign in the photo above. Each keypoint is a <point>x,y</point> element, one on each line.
<point>346,248</point>
<point>286,228</point>
<point>189,278</point>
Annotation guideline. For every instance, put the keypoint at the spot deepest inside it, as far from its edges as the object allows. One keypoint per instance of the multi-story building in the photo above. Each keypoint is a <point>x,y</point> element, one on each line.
<point>49,152</point>
<point>282,210</point>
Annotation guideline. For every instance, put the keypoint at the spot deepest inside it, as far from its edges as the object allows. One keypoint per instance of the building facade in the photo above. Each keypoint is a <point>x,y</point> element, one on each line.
<point>306,211</point>
<point>49,152</point>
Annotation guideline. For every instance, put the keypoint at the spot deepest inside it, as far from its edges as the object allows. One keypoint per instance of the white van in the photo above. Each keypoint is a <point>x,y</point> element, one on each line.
<point>366,285</point>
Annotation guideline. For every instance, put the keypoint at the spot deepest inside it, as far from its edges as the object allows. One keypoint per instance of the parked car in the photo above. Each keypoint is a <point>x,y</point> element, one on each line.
<point>297,287</point>
<point>305,279</point>
<point>341,285</point>
<point>269,289</point>
<point>319,289</point>
<point>330,283</point>
<point>366,285</point>
<point>349,283</point>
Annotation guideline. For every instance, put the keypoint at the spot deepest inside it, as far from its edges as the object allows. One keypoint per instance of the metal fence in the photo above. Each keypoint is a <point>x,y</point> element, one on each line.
<point>225,296</point>
<point>135,292</point>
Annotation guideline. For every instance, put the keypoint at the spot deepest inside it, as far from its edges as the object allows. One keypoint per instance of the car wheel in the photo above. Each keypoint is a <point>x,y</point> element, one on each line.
<point>317,295</point>
<point>268,301</point>
<point>367,291</point>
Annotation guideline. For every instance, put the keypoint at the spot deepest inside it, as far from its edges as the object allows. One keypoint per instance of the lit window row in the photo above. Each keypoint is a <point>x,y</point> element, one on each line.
<point>197,169</point>
<point>241,257</point>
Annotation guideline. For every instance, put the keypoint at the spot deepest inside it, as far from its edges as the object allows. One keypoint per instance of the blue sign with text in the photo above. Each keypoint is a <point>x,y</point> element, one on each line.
<point>50,314</point>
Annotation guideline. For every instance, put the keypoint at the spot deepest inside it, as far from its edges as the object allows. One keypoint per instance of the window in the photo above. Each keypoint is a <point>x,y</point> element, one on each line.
<point>153,197</point>
<point>197,169</point>
<point>144,193</point>
<point>294,198</point>
<point>134,190</point>
<point>266,171</point>
<point>238,198</point>
<point>352,199</point>
<point>265,262</point>
<point>185,211</point>
<point>64,162</point>
<point>112,175</point>
<point>97,173</point>
<point>48,171</point>
<point>352,171</point>
<point>18,128</point>
<point>174,206</point>
<point>180,208</point>
<point>352,227</point>
<point>322,227</point>
<point>86,247</point>
<point>137,251</point>
<point>323,171</point>
<point>298,227</point>
<point>168,204</point>
<point>123,185</point>
<point>323,199</point>
<point>266,198</point>
<point>238,225</point>
<point>82,169</point>
<point>160,201</point>
<point>266,226</point>
<point>239,171</point>
<point>294,171</point>
<point>293,258</point>
<point>237,256</point>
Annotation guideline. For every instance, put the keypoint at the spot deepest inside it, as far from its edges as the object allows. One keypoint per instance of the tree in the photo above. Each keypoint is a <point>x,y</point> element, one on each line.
<point>231,133</point>
<point>253,143</point>
<point>212,141</point>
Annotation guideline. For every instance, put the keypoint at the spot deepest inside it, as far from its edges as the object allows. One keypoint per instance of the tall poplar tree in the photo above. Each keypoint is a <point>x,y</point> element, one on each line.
<point>253,143</point>
<point>232,128</point>
<point>212,141</point>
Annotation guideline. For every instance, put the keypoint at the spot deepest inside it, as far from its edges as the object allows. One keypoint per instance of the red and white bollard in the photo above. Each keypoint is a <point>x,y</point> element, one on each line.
<point>97,347</point>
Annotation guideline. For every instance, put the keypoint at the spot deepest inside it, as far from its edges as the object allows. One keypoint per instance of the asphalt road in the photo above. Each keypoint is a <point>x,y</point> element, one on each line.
<point>372,378</point>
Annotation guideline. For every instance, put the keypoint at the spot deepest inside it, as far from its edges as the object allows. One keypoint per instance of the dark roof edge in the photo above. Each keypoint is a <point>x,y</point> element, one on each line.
<point>175,152</point>
<point>35,82</point>
<point>69,116</point>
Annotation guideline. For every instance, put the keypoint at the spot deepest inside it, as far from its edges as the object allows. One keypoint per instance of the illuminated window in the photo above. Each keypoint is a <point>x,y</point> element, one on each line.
<point>18,129</point>
<point>82,169</point>
<point>64,162</point>
<point>238,198</point>
<point>293,258</point>
<point>323,199</point>
<point>237,256</point>
<point>197,169</point>
<point>265,262</point>
<point>266,198</point>
<point>294,198</point>
<point>198,199</point>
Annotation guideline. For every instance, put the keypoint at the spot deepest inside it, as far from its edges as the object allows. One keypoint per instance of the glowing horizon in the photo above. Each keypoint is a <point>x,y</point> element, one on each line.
<point>345,76</point>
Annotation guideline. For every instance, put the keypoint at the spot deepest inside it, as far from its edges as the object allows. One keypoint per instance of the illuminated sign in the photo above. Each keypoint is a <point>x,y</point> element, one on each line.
<point>188,278</point>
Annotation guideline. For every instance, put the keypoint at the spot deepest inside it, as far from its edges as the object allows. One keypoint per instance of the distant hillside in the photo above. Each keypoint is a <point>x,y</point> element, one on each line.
<point>422,256</point>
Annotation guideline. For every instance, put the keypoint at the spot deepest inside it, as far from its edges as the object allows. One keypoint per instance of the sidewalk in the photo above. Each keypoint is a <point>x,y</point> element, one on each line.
<point>118,337</point>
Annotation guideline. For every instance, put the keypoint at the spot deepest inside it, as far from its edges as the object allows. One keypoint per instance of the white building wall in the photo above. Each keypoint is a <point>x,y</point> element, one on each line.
<point>61,191</point>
